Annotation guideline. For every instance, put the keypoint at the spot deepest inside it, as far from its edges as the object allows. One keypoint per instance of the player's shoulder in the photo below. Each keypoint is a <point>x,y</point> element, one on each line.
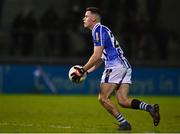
<point>105,28</point>
<point>101,28</point>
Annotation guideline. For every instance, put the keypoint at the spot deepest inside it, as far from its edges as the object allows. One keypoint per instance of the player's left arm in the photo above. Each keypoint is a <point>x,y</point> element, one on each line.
<point>95,58</point>
<point>98,63</point>
<point>99,37</point>
<point>92,63</point>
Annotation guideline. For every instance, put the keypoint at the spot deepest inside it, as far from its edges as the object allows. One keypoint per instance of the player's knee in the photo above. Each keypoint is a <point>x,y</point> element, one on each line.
<point>102,99</point>
<point>124,103</point>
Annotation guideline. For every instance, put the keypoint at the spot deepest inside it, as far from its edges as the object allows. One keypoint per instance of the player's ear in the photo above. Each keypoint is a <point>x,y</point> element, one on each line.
<point>94,17</point>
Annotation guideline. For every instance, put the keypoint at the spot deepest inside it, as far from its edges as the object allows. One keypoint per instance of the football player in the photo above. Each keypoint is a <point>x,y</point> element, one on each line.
<point>117,73</point>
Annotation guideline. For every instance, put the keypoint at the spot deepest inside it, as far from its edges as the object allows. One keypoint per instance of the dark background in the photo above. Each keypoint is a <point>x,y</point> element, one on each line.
<point>51,31</point>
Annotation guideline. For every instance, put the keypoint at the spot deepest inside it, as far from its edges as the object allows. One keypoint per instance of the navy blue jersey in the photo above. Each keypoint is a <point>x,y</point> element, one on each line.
<point>113,55</point>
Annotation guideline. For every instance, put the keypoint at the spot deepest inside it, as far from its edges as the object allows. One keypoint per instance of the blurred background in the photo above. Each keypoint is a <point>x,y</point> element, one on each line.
<point>41,40</point>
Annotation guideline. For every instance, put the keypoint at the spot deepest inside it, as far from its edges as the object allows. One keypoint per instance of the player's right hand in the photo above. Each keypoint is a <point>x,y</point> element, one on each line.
<point>80,71</point>
<point>75,77</point>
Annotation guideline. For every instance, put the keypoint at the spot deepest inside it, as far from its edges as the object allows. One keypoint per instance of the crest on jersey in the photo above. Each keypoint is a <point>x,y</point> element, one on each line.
<point>97,37</point>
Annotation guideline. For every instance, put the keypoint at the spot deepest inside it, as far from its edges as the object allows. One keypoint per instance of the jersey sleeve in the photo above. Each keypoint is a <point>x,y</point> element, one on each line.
<point>99,36</point>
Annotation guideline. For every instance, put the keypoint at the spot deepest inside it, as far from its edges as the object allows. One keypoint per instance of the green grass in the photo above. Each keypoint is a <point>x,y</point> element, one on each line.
<point>56,113</point>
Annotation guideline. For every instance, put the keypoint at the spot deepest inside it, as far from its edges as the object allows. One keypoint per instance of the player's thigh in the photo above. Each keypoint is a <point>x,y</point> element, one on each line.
<point>106,89</point>
<point>122,92</point>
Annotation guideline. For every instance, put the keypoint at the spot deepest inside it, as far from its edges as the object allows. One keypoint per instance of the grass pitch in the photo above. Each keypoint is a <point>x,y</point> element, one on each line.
<point>81,114</point>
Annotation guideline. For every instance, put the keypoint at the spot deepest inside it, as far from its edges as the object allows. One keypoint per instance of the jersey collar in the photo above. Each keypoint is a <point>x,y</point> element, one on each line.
<point>97,24</point>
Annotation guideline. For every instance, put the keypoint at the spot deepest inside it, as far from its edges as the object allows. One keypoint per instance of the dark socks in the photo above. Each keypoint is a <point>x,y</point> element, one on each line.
<point>136,104</point>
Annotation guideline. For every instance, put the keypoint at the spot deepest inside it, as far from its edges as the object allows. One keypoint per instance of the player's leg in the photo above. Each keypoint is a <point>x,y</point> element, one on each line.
<point>122,95</point>
<point>125,101</point>
<point>106,90</point>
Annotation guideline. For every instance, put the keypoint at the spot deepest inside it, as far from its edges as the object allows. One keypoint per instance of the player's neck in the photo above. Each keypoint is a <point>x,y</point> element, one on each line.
<point>94,25</point>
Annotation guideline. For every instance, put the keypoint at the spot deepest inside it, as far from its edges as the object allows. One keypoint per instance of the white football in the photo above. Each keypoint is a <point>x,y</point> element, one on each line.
<point>72,70</point>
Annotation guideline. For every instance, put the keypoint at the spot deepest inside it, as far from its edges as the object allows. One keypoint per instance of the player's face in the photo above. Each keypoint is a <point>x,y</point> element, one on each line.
<point>88,20</point>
